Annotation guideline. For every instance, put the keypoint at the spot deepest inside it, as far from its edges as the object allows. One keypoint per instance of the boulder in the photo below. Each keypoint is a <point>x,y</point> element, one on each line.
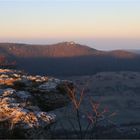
<point>25,101</point>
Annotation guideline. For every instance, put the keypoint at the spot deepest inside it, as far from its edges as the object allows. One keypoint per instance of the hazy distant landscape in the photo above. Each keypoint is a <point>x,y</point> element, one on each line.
<point>68,58</point>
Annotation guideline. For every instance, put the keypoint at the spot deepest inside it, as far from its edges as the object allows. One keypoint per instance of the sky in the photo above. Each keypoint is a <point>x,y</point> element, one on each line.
<point>102,24</point>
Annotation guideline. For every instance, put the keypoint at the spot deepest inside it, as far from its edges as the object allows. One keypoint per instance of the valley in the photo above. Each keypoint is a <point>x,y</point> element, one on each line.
<point>118,92</point>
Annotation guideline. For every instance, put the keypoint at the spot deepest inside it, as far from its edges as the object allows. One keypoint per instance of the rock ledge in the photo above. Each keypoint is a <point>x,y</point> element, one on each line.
<point>25,101</point>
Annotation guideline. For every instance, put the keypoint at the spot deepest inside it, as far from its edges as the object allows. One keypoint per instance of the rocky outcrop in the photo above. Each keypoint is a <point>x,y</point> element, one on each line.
<point>25,101</point>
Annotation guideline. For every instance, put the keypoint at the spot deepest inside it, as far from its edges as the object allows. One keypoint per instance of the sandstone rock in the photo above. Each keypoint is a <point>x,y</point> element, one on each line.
<point>25,101</point>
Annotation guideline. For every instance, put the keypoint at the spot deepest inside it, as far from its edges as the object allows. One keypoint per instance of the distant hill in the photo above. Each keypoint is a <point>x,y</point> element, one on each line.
<point>68,58</point>
<point>64,49</point>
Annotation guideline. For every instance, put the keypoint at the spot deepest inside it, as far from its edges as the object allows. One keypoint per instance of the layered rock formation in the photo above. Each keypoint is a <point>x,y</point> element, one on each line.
<point>25,101</point>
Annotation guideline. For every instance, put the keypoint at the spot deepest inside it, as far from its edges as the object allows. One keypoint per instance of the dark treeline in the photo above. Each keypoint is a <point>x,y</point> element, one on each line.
<point>85,65</point>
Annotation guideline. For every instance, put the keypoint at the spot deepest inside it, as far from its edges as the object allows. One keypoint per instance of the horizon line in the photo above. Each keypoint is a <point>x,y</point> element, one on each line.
<point>125,49</point>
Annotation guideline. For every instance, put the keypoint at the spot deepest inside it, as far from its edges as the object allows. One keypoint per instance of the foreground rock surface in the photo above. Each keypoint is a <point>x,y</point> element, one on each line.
<point>25,101</point>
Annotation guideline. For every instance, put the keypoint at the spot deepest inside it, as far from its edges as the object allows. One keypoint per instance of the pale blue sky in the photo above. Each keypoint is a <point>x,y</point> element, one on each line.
<point>98,23</point>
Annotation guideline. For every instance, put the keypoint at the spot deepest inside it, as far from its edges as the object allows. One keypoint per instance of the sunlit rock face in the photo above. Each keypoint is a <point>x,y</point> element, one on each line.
<point>25,101</point>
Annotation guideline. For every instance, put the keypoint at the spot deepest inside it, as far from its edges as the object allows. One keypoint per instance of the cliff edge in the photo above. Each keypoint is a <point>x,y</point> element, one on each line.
<point>25,102</point>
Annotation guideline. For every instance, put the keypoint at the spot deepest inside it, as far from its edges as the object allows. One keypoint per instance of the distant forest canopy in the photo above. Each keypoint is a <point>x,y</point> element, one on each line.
<point>66,58</point>
<point>5,63</point>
